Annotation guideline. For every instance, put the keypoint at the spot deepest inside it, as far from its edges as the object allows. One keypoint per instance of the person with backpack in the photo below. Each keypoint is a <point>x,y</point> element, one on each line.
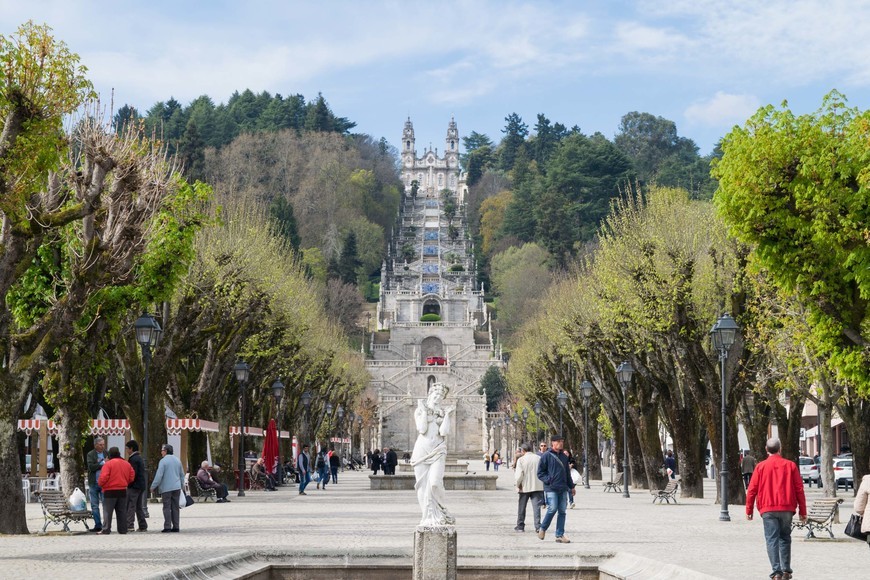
<point>321,465</point>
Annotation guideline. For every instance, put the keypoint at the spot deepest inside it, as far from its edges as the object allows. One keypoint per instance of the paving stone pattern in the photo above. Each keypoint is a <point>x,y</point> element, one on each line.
<point>349,515</point>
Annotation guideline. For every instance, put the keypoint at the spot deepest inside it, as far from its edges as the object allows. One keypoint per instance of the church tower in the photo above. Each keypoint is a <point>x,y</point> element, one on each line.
<point>409,152</point>
<point>451,149</point>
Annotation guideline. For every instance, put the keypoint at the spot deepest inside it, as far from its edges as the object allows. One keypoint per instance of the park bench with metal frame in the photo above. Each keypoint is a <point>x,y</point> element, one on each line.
<point>56,510</point>
<point>668,493</point>
<point>201,492</point>
<point>820,516</point>
<point>614,484</point>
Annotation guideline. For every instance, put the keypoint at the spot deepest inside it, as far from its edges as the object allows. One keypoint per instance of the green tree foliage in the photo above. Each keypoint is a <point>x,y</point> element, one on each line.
<point>282,212</point>
<point>795,187</point>
<point>348,262</point>
<point>494,386</point>
<point>515,133</point>
<point>521,276</point>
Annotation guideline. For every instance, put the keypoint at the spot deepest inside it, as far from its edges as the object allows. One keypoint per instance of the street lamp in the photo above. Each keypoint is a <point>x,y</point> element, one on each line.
<point>306,405</point>
<point>340,413</point>
<point>516,420</point>
<point>525,422</point>
<point>623,374</point>
<point>723,334</point>
<point>586,390</point>
<point>562,400</point>
<point>497,434</point>
<point>147,335</point>
<point>242,372</point>
<point>278,394</point>
<point>538,422</point>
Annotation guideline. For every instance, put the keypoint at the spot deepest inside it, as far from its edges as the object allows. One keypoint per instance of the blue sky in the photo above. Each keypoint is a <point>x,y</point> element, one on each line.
<point>705,65</point>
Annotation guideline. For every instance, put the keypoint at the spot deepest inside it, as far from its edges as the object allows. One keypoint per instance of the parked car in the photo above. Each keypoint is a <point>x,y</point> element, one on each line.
<point>843,473</point>
<point>808,468</point>
<point>436,360</point>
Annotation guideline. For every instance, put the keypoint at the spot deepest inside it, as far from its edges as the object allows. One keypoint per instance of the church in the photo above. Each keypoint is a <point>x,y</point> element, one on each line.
<point>432,322</point>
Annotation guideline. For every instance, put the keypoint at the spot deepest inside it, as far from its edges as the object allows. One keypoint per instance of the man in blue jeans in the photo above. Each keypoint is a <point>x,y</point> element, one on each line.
<point>553,470</point>
<point>777,489</point>
<point>96,458</point>
<point>303,464</point>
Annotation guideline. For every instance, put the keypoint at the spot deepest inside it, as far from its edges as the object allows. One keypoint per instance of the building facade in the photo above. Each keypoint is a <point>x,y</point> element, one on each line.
<point>432,322</point>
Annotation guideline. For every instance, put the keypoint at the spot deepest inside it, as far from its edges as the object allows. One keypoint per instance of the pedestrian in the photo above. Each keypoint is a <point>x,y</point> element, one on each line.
<point>95,460</point>
<point>392,460</point>
<point>529,487</point>
<point>747,466</point>
<point>496,460</point>
<point>777,488</point>
<point>671,465</point>
<point>169,481</point>
<point>554,472</point>
<point>334,464</point>
<point>486,460</point>
<point>114,478</point>
<point>860,506</point>
<point>322,467</point>
<point>259,474</point>
<point>376,461</point>
<point>571,471</point>
<point>136,490</point>
<point>542,448</point>
<point>303,464</point>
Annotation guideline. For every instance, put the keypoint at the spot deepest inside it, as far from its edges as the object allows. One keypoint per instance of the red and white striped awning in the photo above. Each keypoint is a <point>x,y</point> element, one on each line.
<point>176,426</point>
<point>30,425</point>
<point>255,431</point>
<point>98,426</point>
<point>109,426</point>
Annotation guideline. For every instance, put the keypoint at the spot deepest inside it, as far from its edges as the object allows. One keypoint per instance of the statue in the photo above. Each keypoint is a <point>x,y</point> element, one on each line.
<point>429,456</point>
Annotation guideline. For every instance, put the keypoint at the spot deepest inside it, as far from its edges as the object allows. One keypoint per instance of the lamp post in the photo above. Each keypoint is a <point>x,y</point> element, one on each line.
<point>340,413</point>
<point>147,335</point>
<point>723,334</point>
<point>537,422</point>
<point>562,400</point>
<point>278,394</point>
<point>623,374</point>
<point>497,434</point>
<point>586,389</point>
<point>516,420</point>
<point>306,405</point>
<point>525,422</point>
<point>242,372</point>
<point>359,421</point>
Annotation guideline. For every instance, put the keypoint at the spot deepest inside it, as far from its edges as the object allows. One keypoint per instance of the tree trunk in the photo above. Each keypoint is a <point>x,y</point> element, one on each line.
<point>685,431</point>
<point>855,412</point>
<point>69,436</point>
<point>12,516</point>
<point>651,452</point>
<point>635,459</point>
<point>826,465</point>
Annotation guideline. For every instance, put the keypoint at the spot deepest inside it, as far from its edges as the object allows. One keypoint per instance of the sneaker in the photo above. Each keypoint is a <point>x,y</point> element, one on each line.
<point>318,485</point>
<point>302,493</point>
<point>519,529</point>
<point>562,540</point>
<point>165,531</point>
<point>142,530</point>
<point>174,530</point>
<point>96,530</point>
<point>786,576</point>
<point>571,506</point>
<point>541,533</point>
<point>105,532</point>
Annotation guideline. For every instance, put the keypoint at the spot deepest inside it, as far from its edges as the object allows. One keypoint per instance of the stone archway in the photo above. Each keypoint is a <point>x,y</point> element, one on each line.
<point>431,346</point>
<point>432,307</point>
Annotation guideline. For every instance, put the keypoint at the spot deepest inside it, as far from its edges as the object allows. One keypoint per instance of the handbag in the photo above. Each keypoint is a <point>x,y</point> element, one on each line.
<point>853,528</point>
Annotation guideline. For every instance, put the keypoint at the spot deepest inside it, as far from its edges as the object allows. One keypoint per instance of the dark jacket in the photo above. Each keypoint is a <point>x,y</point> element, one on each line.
<point>392,459</point>
<point>94,465</point>
<point>554,472</point>
<point>138,465</point>
<point>302,463</point>
<point>334,460</point>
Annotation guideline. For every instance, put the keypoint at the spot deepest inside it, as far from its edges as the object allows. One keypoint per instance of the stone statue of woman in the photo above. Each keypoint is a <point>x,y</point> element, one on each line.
<point>429,456</point>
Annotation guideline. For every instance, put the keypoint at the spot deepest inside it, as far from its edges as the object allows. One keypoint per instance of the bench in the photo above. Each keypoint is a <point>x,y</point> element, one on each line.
<point>820,516</point>
<point>668,493</point>
<point>56,510</point>
<point>201,493</point>
<point>614,484</point>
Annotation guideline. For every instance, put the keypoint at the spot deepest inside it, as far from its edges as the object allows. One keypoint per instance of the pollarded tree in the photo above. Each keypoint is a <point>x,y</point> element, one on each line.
<point>795,188</point>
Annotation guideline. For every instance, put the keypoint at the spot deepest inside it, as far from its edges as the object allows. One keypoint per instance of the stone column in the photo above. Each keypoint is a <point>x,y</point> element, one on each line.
<point>435,553</point>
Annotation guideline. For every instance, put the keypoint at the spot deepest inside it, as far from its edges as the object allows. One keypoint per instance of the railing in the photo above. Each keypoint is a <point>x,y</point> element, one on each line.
<point>386,363</point>
<point>410,324</point>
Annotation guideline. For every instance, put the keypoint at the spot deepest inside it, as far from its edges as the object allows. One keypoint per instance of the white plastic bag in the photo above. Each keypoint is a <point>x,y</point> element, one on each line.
<point>77,501</point>
<point>575,476</point>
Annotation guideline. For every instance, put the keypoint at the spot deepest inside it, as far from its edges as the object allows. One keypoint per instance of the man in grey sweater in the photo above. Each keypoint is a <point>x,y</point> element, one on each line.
<point>169,481</point>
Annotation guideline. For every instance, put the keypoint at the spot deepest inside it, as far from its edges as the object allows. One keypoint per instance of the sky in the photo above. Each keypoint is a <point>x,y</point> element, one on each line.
<point>706,65</point>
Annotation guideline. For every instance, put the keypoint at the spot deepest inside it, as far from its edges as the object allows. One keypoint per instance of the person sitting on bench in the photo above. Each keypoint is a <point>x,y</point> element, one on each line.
<point>203,476</point>
<point>258,474</point>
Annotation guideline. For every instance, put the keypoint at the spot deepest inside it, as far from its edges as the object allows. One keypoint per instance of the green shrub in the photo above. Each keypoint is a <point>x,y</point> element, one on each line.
<point>457,268</point>
<point>431,317</point>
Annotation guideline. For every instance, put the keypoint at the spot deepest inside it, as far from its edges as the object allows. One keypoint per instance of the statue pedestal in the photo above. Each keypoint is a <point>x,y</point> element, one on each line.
<point>435,553</point>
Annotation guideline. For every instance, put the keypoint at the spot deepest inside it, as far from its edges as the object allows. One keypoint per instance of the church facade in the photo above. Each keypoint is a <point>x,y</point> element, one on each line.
<point>432,322</point>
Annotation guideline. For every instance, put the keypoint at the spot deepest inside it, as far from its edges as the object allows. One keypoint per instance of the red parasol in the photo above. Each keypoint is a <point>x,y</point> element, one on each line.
<point>270,448</point>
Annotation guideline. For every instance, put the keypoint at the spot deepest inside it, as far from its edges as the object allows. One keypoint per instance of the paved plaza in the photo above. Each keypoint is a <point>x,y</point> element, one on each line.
<point>349,516</point>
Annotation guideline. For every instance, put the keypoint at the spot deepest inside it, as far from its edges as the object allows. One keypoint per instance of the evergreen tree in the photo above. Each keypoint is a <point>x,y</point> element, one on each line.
<point>318,117</point>
<point>349,262</point>
<point>281,211</point>
<point>191,152</point>
<point>515,133</point>
<point>494,386</point>
<point>124,117</point>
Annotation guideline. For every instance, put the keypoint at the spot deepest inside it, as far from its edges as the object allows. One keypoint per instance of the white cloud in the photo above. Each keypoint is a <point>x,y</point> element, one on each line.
<point>722,110</point>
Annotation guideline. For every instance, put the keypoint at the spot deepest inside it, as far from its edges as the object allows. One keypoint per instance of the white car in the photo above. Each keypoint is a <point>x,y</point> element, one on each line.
<point>808,468</point>
<point>843,473</point>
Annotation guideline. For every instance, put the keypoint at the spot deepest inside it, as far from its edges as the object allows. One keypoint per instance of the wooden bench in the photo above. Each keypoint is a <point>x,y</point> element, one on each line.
<point>668,493</point>
<point>200,492</point>
<point>820,516</point>
<point>614,484</point>
<point>56,510</point>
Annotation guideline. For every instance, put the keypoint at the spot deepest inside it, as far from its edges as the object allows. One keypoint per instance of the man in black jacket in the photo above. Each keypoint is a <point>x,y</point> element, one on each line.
<point>136,491</point>
<point>553,470</point>
<point>392,460</point>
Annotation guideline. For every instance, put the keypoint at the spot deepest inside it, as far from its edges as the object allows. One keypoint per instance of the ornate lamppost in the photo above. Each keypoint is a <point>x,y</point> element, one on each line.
<point>623,374</point>
<point>242,372</point>
<point>586,390</point>
<point>562,400</point>
<point>516,420</point>
<point>723,335</point>
<point>148,334</point>
<point>278,394</point>
<point>538,407</point>
<point>340,414</point>
<point>525,422</point>
<point>497,434</point>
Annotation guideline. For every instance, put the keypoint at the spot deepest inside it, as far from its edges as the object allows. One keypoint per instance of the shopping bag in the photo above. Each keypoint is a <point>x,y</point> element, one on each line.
<point>77,501</point>
<point>853,528</point>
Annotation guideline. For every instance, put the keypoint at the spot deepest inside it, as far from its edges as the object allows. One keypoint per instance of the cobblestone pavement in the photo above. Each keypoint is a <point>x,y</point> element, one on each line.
<point>349,515</point>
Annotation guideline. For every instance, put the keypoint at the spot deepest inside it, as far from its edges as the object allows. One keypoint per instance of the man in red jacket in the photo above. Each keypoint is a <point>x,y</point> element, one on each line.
<point>776,486</point>
<point>115,476</point>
